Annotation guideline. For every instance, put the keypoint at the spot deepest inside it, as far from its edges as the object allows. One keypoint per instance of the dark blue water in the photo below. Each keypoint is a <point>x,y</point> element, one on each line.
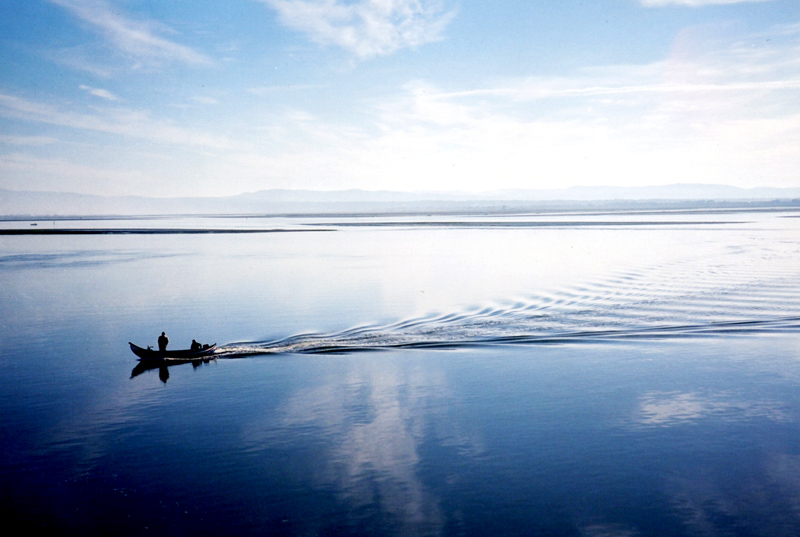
<point>415,379</point>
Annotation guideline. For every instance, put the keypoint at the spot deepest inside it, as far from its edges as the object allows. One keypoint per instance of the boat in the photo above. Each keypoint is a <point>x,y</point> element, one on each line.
<point>183,355</point>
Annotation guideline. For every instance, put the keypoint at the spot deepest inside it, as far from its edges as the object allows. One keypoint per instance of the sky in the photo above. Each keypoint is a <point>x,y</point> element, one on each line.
<point>210,98</point>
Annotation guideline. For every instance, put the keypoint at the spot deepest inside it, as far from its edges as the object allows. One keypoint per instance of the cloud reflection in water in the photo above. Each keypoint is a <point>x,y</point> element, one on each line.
<point>763,499</point>
<point>667,409</point>
<point>375,422</point>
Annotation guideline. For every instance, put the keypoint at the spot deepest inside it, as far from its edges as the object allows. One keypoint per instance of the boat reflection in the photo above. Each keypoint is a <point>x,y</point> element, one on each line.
<point>162,366</point>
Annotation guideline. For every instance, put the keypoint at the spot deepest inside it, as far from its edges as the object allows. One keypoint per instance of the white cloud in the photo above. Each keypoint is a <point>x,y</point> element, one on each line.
<point>201,99</point>
<point>366,28</point>
<point>715,111</point>
<point>28,165</point>
<point>99,92</point>
<point>617,127</point>
<point>138,38</point>
<point>271,90</point>
<point>121,121</point>
<point>693,3</point>
<point>80,59</point>
<point>27,140</point>
<point>727,113</point>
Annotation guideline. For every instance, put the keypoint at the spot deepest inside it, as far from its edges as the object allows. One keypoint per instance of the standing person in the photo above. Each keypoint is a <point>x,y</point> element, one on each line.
<point>163,340</point>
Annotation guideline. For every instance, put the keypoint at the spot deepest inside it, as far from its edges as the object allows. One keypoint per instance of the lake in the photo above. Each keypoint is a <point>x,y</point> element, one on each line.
<point>587,374</point>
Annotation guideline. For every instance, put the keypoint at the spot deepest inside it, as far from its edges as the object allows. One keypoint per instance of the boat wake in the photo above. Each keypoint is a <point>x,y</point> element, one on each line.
<point>710,297</point>
<point>448,337</point>
<point>624,309</point>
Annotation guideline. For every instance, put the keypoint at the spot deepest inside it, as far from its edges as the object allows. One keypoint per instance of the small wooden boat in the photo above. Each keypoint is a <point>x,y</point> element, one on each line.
<point>185,355</point>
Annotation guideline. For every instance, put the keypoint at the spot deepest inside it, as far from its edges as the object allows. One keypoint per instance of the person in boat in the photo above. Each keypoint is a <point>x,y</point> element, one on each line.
<point>163,341</point>
<point>195,346</point>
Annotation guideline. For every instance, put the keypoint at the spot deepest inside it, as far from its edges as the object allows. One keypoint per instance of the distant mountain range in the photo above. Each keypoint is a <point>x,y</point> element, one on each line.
<point>26,203</point>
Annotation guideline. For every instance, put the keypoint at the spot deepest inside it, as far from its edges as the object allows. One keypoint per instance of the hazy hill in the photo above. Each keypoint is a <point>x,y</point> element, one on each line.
<point>22,203</point>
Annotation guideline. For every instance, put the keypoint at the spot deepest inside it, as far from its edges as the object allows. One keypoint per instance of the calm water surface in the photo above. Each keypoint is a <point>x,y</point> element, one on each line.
<point>601,375</point>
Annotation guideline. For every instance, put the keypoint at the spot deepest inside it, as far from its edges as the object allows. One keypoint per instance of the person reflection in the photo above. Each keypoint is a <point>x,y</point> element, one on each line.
<point>141,367</point>
<point>163,374</point>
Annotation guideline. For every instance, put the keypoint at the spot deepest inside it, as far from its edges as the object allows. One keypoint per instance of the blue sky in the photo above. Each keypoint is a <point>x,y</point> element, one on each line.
<point>196,97</point>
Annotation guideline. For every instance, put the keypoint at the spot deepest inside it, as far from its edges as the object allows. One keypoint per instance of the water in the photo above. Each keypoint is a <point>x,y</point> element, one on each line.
<point>602,375</point>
